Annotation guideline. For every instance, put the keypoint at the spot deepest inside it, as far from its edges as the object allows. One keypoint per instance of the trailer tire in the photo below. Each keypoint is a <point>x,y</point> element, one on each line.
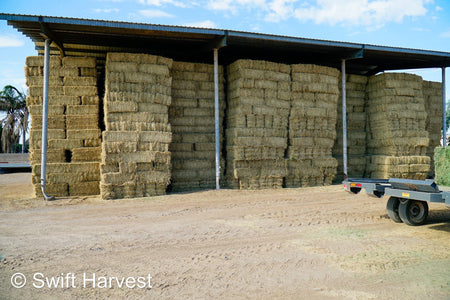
<point>392,209</point>
<point>413,212</point>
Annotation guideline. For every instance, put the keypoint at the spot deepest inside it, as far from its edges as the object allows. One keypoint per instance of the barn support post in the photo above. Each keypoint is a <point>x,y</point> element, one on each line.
<point>216,115</point>
<point>444,111</point>
<point>44,119</point>
<point>344,121</point>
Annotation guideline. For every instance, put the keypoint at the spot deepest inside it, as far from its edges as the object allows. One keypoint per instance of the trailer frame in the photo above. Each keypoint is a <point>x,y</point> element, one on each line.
<point>408,198</point>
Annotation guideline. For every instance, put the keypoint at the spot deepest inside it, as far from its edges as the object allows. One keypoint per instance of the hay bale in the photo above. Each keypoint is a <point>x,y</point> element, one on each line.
<point>88,72</point>
<point>88,121</point>
<point>65,71</point>
<point>64,144</point>
<point>37,90</point>
<point>38,61</point>
<point>432,92</point>
<point>312,125</point>
<point>83,134</point>
<point>86,154</point>
<point>80,110</point>
<point>79,81</point>
<point>137,96</point>
<point>85,188</point>
<point>79,62</point>
<point>397,122</point>
<point>258,110</point>
<point>53,122</point>
<point>73,106</point>
<point>412,167</point>
<point>36,136</point>
<point>38,81</point>
<point>89,100</point>
<point>36,110</point>
<point>80,90</point>
<point>356,127</point>
<point>191,115</point>
<point>54,155</point>
<point>61,189</point>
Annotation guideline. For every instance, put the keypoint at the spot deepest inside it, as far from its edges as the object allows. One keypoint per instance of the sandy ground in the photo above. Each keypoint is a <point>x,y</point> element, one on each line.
<point>311,243</point>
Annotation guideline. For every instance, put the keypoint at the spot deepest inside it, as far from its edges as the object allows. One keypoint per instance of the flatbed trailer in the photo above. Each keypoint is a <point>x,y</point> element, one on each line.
<point>408,199</point>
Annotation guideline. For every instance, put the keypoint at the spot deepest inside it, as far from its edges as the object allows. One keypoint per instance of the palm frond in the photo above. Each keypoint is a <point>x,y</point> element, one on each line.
<point>13,102</point>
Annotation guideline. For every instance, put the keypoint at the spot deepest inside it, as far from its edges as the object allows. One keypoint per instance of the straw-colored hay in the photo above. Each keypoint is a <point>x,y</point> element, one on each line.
<point>83,134</point>
<point>312,125</point>
<point>432,92</point>
<point>257,131</point>
<point>64,144</point>
<point>54,155</point>
<point>88,121</point>
<point>191,116</point>
<point>356,128</point>
<point>73,134</point>
<point>397,123</point>
<point>86,154</point>
<point>79,62</point>
<point>137,96</point>
<point>80,81</point>
<point>283,124</point>
<point>408,167</point>
<point>61,189</point>
<point>85,188</point>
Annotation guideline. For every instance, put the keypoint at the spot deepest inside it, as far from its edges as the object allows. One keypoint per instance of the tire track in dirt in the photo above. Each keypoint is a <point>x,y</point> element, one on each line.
<point>315,243</point>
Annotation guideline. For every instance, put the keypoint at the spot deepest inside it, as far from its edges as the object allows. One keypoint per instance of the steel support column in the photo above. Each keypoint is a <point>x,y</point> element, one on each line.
<point>44,119</point>
<point>344,121</point>
<point>216,115</point>
<point>444,111</point>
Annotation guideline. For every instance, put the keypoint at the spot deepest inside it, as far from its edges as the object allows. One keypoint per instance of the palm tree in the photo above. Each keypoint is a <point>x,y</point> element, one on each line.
<point>13,102</point>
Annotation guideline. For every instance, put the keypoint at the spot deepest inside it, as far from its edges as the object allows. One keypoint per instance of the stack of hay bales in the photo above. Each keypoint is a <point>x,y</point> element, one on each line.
<point>432,93</point>
<point>191,116</point>
<point>356,128</point>
<point>135,149</point>
<point>257,123</point>
<point>73,135</point>
<point>442,165</point>
<point>312,125</point>
<point>397,136</point>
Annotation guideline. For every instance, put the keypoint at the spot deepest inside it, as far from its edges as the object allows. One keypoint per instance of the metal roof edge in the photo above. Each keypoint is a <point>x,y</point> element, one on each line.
<point>220,32</point>
<point>112,24</point>
<point>406,50</point>
<point>281,38</point>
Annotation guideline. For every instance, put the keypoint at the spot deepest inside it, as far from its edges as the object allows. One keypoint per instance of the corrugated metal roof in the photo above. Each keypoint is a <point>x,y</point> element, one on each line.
<point>97,37</point>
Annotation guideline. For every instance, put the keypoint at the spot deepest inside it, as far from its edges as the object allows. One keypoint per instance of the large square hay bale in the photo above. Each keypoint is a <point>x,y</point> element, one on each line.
<point>73,127</point>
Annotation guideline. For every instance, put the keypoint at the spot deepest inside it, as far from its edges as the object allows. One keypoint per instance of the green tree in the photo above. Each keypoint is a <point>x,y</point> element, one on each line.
<point>13,102</point>
<point>448,114</point>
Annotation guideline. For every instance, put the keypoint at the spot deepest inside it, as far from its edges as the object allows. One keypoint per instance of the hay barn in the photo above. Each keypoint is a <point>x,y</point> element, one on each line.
<point>132,110</point>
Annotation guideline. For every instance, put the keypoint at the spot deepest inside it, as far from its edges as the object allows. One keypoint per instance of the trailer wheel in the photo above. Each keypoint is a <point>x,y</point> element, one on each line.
<point>413,212</point>
<point>392,209</point>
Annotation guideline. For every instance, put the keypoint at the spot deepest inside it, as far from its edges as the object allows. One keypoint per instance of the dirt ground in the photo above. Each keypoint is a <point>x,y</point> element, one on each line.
<point>309,243</point>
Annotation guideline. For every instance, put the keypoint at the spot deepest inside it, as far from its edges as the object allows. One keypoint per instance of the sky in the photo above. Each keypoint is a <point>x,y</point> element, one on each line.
<point>419,24</point>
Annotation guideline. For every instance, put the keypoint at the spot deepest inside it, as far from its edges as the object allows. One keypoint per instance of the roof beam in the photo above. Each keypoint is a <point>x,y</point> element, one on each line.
<point>217,43</point>
<point>374,71</point>
<point>356,54</point>
<point>46,33</point>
